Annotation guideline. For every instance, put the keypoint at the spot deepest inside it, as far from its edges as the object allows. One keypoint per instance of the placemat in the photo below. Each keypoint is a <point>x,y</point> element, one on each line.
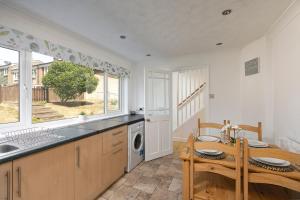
<point>273,168</point>
<point>217,157</point>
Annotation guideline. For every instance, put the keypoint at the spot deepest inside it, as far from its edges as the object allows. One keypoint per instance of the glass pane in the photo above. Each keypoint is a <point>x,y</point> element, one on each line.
<point>63,90</point>
<point>113,91</point>
<point>9,86</point>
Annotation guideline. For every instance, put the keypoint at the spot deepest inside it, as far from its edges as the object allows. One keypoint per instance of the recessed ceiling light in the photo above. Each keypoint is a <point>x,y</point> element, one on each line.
<point>123,37</point>
<point>226,12</point>
<point>219,44</point>
<point>148,55</point>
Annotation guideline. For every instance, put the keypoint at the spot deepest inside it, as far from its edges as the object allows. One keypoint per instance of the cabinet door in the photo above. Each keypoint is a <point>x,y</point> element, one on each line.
<point>87,168</point>
<point>117,160</point>
<point>47,175</point>
<point>107,171</point>
<point>6,181</point>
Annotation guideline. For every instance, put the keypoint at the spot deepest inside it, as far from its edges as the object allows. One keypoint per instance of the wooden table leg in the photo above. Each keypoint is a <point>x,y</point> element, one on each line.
<point>186,180</point>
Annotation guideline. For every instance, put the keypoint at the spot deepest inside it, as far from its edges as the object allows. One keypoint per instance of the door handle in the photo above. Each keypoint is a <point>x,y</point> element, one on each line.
<point>148,120</point>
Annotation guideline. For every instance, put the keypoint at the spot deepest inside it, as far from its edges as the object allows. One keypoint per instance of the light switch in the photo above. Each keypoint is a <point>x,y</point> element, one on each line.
<point>211,96</point>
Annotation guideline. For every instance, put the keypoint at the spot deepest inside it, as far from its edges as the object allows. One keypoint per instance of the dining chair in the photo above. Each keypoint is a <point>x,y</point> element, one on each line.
<point>254,129</point>
<point>211,125</point>
<point>197,166</point>
<point>255,174</point>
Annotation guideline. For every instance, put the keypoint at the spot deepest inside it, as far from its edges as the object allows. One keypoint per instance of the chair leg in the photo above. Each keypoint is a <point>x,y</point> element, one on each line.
<point>245,189</point>
<point>238,189</point>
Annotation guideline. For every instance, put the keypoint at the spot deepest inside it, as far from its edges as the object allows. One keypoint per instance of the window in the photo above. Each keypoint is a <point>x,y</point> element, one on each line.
<point>9,86</point>
<point>65,90</point>
<point>113,93</point>
<point>5,71</point>
<point>60,90</point>
<point>16,76</point>
<point>34,73</point>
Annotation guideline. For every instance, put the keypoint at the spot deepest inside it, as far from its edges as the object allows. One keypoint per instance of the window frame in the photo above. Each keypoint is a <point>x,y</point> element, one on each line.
<point>25,101</point>
<point>22,80</point>
<point>120,94</point>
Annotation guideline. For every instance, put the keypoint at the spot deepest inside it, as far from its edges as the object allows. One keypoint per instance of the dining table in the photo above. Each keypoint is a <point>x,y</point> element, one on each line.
<point>227,161</point>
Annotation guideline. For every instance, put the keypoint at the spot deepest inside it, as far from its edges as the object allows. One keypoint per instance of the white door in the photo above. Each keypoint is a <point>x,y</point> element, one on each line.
<point>158,136</point>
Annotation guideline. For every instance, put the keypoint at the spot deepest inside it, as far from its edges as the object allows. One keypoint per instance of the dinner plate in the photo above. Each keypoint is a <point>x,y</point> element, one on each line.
<point>272,161</point>
<point>211,152</point>
<point>257,144</point>
<point>208,138</point>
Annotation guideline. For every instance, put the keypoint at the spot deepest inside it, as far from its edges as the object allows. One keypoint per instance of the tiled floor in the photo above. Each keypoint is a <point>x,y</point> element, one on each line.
<point>155,180</point>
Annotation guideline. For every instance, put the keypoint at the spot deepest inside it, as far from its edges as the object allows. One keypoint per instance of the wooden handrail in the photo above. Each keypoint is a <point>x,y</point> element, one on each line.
<point>191,96</point>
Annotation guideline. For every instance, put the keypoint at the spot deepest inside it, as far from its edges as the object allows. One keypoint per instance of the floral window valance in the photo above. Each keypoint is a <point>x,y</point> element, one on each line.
<point>21,41</point>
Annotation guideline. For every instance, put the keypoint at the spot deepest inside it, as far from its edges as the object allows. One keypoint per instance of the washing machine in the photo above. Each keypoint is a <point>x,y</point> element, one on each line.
<point>136,147</point>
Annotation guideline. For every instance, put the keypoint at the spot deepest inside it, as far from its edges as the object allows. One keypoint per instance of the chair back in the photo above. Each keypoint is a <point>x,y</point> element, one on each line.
<point>210,125</point>
<point>274,153</point>
<point>233,150</point>
<point>268,177</point>
<point>255,129</point>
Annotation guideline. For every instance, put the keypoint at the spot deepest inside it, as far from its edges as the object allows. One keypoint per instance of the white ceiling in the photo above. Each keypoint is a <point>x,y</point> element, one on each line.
<point>163,28</point>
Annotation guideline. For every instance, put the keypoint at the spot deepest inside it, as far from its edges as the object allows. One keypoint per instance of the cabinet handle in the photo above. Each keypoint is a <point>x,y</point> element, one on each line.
<point>116,144</point>
<point>19,182</point>
<point>115,152</point>
<point>8,184</point>
<point>78,156</point>
<point>117,133</point>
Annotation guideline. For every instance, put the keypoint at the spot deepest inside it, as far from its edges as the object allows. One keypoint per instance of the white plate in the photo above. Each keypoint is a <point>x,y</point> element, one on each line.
<point>211,152</point>
<point>272,161</point>
<point>257,144</point>
<point>208,138</point>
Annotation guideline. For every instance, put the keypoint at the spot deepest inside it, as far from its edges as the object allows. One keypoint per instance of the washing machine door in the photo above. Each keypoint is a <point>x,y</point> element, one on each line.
<point>137,142</point>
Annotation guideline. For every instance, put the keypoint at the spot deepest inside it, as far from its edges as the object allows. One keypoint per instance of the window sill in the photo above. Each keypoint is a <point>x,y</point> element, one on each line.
<point>64,122</point>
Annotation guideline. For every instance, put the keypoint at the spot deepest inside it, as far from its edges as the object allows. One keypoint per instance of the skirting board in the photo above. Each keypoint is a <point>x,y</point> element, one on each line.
<point>179,139</point>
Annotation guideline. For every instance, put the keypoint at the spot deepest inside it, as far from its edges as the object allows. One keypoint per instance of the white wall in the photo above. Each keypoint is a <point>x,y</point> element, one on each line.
<point>224,80</point>
<point>284,39</point>
<point>273,95</point>
<point>256,90</point>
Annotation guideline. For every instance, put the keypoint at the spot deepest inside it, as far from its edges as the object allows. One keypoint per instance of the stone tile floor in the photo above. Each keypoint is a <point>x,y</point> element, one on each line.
<point>159,179</point>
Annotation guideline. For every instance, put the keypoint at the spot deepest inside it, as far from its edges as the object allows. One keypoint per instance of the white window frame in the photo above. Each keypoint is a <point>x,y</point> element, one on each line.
<point>25,102</point>
<point>120,94</point>
<point>22,97</point>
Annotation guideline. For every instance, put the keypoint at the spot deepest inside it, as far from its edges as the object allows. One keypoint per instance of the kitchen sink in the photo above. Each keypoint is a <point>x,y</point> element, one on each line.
<point>6,148</point>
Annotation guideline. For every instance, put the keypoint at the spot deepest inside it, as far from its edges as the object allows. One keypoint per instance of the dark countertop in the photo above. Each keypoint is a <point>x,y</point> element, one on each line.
<point>76,132</point>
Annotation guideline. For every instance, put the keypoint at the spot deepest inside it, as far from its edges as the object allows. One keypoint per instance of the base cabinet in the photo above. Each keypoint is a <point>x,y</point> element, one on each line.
<point>47,175</point>
<point>88,172</point>
<point>80,170</point>
<point>6,181</point>
<point>114,158</point>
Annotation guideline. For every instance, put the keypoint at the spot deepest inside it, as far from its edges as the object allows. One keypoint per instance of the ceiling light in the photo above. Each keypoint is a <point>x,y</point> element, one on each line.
<point>148,55</point>
<point>219,44</point>
<point>123,37</point>
<point>226,12</point>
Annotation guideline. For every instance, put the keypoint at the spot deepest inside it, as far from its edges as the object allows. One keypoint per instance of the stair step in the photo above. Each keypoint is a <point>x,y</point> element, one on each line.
<point>48,114</point>
<point>44,111</point>
<point>52,118</point>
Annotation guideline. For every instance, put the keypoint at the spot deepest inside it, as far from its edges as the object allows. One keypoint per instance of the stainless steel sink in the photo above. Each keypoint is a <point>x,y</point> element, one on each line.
<point>6,148</point>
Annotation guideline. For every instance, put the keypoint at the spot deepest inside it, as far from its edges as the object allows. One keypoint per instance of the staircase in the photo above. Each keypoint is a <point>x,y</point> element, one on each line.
<point>43,113</point>
<point>190,100</point>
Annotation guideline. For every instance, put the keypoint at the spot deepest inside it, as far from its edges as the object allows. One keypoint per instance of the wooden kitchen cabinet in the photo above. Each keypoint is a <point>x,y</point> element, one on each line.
<point>88,172</point>
<point>6,181</point>
<point>46,175</point>
<point>114,159</point>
